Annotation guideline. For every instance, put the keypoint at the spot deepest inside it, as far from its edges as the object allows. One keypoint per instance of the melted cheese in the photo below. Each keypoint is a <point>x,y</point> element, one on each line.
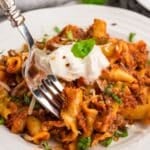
<point>71,110</point>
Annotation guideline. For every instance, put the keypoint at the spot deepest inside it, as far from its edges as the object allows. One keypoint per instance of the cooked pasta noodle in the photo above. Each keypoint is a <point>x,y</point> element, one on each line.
<point>93,112</point>
<point>14,64</point>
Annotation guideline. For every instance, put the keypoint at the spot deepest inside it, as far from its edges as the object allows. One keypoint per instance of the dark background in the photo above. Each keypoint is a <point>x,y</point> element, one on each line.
<point>129,4</point>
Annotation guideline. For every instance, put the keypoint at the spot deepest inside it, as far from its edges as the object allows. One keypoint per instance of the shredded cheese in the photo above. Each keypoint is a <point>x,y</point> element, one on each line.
<point>31,106</point>
<point>5,86</point>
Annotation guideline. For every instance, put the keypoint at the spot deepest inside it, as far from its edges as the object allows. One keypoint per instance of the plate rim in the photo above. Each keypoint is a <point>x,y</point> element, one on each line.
<point>82,5</point>
<point>89,5</point>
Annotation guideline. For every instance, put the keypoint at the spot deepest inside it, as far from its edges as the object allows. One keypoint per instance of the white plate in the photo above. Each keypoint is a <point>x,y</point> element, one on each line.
<point>42,21</point>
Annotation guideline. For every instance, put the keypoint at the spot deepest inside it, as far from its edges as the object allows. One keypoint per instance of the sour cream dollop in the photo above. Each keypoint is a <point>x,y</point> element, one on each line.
<point>69,67</point>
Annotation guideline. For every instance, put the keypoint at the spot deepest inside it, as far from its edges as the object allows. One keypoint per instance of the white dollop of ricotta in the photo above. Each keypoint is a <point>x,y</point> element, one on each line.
<point>69,67</point>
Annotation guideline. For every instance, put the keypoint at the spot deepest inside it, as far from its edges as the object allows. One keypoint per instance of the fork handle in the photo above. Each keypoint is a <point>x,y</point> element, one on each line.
<point>17,20</point>
<point>13,14</point>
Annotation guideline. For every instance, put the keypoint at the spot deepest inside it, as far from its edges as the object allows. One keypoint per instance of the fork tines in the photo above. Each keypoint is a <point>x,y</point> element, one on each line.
<point>49,94</point>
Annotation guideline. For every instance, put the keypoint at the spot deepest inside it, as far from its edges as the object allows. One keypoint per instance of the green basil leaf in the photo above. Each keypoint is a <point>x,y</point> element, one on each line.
<point>101,2</point>
<point>82,48</point>
<point>107,142</point>
<point>131,36</point>
<point>84,143</point>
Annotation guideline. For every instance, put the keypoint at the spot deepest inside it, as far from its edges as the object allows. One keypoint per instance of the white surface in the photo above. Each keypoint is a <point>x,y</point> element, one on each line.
<point>43,21</point>
<point>145,3</point>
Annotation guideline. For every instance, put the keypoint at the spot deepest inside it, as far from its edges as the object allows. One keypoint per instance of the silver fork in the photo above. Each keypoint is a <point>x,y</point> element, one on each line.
<point>43,84</point>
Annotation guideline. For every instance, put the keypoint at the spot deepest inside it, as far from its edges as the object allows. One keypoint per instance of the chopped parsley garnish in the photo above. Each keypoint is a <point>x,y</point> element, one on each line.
<point>57,29</point>
<point>82,48</point>
<point>26,99</point>
<point>69,35</point>
<point>84,143</point>
<point>131,36</point>
<point>44,40</point>
<point>101,2</point>
<point>15,99</point>
<point>121,133</point>
<point>116,98</point>
<point>123,87</point>
<point>37,105</point>
<point>107,142</point>
<point>148,62</point>
<point>2,121</point>
<point>45,145</point>
<point>108,92</point>
<point>118,133</point>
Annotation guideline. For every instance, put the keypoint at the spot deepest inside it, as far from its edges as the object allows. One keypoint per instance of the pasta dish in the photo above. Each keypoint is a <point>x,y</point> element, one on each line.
<point>95,111</point>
